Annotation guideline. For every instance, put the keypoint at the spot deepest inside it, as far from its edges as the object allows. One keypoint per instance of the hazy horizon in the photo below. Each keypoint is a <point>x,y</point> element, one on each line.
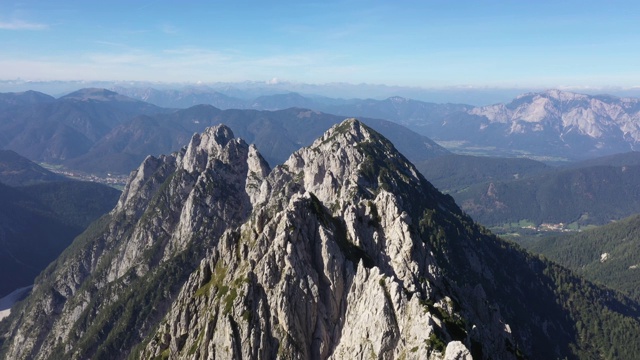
<point>247,90</point>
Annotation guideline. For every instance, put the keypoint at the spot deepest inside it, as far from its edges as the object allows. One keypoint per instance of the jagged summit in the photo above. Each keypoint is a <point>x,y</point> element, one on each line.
<point>344,251</point>
<point>354,158</point>
<point>567,116</point>
<point>557,94</point>
<point>209,144</point>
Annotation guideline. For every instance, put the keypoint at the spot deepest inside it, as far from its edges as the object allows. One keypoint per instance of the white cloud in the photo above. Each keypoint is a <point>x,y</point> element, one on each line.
<point>127,58</point>
<point>169,29</point>
<point>22,25</point>
<point>180,64</point>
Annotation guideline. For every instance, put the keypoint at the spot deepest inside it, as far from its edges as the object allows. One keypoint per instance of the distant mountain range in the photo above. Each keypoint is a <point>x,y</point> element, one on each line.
<point>55,131</point>
<point>30,97</point>
<point>276,133</point>
<point>182,99</point>
<point>549,125</point>
<point>556,122</point>
<point>397,109</point>
<point>100,131</point>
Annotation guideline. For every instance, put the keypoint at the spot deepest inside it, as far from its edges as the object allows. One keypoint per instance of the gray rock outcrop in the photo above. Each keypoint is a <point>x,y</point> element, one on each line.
<point>327,266</point>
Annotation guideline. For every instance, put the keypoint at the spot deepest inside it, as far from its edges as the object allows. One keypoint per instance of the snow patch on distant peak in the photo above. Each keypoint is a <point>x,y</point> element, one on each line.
<point>564,95</point>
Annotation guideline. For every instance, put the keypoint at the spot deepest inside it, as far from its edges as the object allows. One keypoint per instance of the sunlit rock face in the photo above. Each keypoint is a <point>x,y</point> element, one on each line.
<point>568,113</point>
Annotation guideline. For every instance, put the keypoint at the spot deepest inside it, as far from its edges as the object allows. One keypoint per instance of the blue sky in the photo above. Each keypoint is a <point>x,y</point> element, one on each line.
<point>407,43</point>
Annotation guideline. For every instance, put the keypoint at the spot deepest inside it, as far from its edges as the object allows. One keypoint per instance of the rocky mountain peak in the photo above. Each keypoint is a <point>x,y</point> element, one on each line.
<point>214,142</point>
<point>557,94</point>
<point>351,159</point>
<point>329,246</point>
<point>344,251</point>
<point>351,128</point>
<point>222,134</point>
<point>347,136</point>
<point>564,115</point>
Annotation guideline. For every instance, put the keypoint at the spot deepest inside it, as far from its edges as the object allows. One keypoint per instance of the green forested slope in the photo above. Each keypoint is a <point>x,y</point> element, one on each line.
<point>609,255</point>
<point>585,196</point>
<point>453,173</point>
<point>38,222</point>
<point>589,321</point>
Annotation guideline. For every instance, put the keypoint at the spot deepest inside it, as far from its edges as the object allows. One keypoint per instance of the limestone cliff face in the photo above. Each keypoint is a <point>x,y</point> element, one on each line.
<point>173,209</point>
<point>342,252</point>
<point>328,266</point>
<point>562,112</point>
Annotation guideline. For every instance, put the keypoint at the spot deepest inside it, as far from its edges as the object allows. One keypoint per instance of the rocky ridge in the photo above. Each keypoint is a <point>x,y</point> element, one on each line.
<point>317,272</point>
<point>167,215</point>
<point>343,251</point>
<point>597,117</point>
